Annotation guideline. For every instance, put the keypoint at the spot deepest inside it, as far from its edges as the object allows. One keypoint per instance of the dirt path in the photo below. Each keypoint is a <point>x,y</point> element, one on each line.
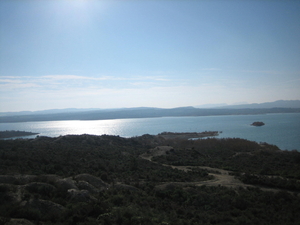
<point>220,177</point>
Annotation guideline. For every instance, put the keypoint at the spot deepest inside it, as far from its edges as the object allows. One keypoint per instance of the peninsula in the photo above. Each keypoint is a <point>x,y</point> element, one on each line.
<point>15,133</point>
<point>188,135</point>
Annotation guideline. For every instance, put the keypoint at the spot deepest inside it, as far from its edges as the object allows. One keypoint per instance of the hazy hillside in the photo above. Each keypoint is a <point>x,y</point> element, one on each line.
<point>140,113</point>
<point>48,111</point>
<point>276,104</point>
<point>148,112</point>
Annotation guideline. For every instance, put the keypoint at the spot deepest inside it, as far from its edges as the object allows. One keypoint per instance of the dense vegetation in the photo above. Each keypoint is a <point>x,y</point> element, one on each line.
<point>235,154</point>
<point>89,179</point>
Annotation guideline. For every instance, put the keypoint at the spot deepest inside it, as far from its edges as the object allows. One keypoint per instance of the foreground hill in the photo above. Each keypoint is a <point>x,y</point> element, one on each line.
<point>86,179</point>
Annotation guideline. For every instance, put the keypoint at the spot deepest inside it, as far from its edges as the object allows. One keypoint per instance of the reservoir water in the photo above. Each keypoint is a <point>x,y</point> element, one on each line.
<point>282,130</point>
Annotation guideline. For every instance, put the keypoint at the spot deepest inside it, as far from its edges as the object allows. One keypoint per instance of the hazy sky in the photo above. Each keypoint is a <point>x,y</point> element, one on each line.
<point>111,54</point>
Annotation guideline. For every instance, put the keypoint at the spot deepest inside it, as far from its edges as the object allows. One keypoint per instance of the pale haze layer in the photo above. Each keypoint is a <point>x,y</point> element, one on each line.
<point>112,54</point>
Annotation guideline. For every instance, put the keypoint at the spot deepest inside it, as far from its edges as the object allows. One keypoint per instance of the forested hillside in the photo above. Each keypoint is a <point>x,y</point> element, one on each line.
<point>85,179</point>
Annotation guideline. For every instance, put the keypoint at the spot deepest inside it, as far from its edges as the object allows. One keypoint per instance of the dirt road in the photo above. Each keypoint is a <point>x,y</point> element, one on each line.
<point>220,177</point>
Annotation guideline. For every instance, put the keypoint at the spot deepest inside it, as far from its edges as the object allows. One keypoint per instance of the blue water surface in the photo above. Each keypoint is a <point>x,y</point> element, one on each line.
<point>282,130</point>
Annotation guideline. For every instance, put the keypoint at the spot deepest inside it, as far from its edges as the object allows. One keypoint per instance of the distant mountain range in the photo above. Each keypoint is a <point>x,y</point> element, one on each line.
<point>148,112</point>
<point>276,104</point>
<point>267,105</point>
<point>48,111</point>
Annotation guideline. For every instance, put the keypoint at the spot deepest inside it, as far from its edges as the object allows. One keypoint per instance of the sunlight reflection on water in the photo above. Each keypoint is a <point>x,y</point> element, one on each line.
<point>97,127</point>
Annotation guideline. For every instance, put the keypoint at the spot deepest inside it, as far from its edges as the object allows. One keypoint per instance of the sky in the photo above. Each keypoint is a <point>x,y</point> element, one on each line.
<point>112,54</point>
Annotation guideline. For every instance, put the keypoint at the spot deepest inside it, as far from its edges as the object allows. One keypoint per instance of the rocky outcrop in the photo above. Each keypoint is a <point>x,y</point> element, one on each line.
<point>19,222</point>
<point>44,207</point>
<point>126,187</point>
<point>65,184</point>
<point>95,181</point>
<point>48,178</point>
<point>83,185</point>
<point>40,188</point>
<point>46,196</point>
<point>16,179</point>
<point>80,196</point>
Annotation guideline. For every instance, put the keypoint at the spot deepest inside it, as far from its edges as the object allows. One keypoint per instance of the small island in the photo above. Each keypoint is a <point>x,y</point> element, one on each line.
<point>15,133</point>
<point>258,124</point>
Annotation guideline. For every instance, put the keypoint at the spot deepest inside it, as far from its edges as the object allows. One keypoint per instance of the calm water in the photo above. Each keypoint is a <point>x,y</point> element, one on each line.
<point>282,130</point>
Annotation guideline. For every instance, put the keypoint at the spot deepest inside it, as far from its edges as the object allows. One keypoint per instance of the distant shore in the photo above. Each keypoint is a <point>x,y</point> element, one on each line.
<point>143,112</point>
